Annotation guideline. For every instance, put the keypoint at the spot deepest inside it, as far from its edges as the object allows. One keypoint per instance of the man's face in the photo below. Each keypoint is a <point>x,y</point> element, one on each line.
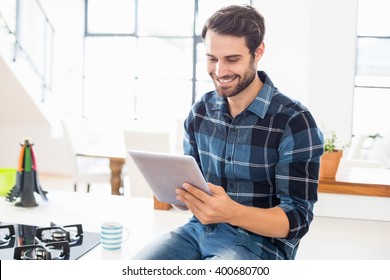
<point>229,63</point>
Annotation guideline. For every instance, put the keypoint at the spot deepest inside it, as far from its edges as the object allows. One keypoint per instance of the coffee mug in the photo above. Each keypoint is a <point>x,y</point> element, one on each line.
<point>111,235</point>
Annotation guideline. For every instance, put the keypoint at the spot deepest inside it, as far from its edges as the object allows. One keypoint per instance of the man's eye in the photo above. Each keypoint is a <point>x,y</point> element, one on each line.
<point>213,59</point>
<point>232,60</point>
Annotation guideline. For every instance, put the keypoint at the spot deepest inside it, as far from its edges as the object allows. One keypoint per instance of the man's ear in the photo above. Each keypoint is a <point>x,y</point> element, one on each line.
<point>259,51</point>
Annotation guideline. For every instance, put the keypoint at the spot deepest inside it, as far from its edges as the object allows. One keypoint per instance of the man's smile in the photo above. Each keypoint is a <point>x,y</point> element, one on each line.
<point>224,81</point>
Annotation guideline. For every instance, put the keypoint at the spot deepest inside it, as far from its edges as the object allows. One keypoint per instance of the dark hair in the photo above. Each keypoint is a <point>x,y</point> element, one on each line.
<point>241,21</point>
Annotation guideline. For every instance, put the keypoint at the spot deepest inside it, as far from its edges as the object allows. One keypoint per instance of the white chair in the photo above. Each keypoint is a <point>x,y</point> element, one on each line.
<point>145,141</point>
<point>84,170</point>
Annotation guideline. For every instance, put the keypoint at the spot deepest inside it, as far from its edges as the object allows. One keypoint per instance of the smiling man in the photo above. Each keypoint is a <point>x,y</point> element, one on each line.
<point>258,149</point>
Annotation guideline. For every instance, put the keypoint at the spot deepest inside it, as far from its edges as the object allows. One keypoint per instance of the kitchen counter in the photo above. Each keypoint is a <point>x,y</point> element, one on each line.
<point>91,210</point>
<point>329,237</point>
<point>358,181</point>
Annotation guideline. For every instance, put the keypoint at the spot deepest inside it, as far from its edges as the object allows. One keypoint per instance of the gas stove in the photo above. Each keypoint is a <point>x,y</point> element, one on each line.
<point>28,242</point>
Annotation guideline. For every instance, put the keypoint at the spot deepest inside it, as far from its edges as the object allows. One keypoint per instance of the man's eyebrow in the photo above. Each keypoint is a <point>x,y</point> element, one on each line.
<point>233,56</point>
<point>228,56</point>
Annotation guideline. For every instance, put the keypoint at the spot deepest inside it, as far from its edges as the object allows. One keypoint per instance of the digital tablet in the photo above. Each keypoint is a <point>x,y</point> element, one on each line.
<point>166,172</point>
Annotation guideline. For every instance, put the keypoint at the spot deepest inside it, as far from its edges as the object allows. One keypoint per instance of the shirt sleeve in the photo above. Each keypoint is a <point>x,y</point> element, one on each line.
<point>189,143</point>
<point>296,173</point>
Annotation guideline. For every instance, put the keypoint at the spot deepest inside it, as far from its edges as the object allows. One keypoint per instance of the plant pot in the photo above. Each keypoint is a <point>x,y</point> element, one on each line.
<point>329,163</point>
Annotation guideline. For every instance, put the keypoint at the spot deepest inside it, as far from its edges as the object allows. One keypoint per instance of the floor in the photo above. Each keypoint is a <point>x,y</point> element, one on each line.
<point>328,239</point>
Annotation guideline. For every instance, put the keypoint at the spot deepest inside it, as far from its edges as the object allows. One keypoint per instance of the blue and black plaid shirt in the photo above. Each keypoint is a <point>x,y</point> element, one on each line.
<point>266,156</point>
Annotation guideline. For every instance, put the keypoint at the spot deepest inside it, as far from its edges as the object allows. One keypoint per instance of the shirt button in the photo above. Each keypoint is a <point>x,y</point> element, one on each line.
<point>229,158</point>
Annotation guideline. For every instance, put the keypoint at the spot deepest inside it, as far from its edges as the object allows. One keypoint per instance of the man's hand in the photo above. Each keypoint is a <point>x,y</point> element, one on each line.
<point>220,208</point>
<point>209,209</point>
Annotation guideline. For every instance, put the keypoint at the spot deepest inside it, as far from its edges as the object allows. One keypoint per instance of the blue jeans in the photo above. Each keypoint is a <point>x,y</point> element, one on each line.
<point>195,241</point>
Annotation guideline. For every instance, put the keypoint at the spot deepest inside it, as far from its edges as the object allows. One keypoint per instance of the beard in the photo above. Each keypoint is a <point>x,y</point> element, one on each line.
<point>243,82</point>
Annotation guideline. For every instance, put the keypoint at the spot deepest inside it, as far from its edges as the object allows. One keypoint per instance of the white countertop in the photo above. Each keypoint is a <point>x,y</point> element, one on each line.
<point>329,237</point>
<point>91,210</point>
<point>363,175</point>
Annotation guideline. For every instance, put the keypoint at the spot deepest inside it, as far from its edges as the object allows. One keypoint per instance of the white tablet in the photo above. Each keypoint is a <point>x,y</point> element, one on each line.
<point>167,172</point>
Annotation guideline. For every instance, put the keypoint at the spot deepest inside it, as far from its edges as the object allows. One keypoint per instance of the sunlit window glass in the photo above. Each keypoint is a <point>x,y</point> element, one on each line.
<point>165,18</point>
<point>110,56</point>
<point>164,58</point>
<point>109,99</point>
<point>366,100</point>
<point>373,18</point>
<point>112,17</point>
<point>109,76</point>
<point>160,71</point>
<point>373,62</point>
<point>162,100</point>
<point>8,14</point>
<point>201,63</point>
<point>372,80</point>
<point>31,33</point>
<point>202,87</point>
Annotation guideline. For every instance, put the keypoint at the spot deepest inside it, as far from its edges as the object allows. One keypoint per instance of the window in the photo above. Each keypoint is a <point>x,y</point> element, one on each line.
<point>111,17</point>
<point>372,80</point>
<point>28,37</point>
<point>144,59</point>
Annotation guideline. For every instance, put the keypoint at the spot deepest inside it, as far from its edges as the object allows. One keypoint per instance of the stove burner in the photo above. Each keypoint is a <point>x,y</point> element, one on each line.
<point>70,233</point>
<point>58,235</point>
<point>5,237</point>
<point>51,243</point>
<point>28,242</point>
<point>42,251</point>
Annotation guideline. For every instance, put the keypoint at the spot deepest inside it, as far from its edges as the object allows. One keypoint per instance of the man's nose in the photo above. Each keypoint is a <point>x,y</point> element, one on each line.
<point>221,69</point>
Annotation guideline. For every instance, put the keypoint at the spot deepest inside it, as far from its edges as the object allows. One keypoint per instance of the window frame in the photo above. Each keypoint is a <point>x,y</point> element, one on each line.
<point>196,39</point>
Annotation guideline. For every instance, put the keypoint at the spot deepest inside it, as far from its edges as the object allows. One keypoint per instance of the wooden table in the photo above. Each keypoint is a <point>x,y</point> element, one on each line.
<point>358,181</point>
<point>117,158</point>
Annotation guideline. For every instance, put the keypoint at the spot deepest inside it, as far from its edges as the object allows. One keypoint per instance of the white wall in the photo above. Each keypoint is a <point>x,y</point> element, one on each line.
<point>287,45</point>
<point>332,64</point>
<point>16,106</point>
<point>310,56</point>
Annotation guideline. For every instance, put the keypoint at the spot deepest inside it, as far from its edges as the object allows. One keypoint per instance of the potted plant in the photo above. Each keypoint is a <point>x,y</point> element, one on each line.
<point>330,160</point>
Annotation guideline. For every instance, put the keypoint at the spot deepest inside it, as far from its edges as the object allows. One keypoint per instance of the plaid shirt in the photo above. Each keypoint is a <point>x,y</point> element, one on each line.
<point>266,156</point>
